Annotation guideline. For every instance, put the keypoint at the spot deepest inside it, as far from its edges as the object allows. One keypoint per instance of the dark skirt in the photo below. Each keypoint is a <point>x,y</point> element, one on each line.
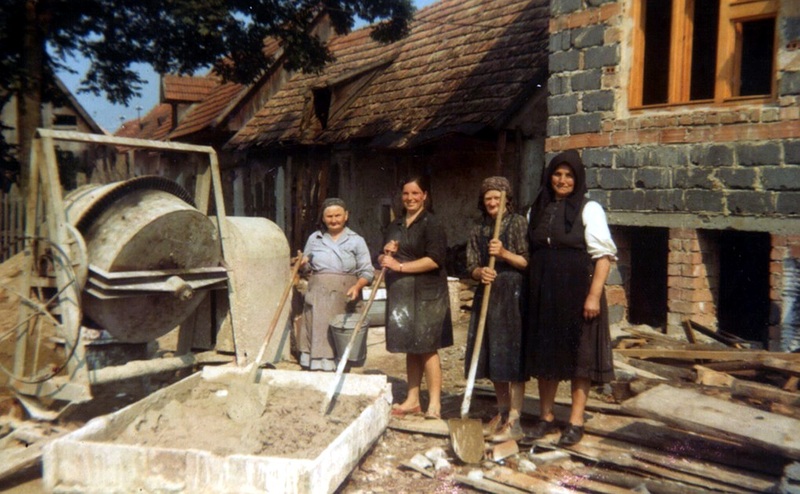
<point>501,358</point>
<point>417,317</point>
<point>562,345</point>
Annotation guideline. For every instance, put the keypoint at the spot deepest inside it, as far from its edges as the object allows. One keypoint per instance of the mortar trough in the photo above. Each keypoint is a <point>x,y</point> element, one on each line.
<point>106,456</point>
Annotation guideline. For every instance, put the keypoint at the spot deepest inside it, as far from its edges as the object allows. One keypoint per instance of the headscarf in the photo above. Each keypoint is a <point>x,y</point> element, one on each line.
<point>499,184</point>
<point>546,194</point>
<point>331,201</point>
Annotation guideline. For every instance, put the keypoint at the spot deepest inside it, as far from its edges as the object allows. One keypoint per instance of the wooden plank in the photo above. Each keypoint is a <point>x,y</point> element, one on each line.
<point>420,425</point>
<point>583,482</point>
<point>758,391</point>
<point>525,482</point>
<point>487,485</point>
<point>781,365</point>
<point>759,355</point>
<point>635,483</point>
<point>710,377</point>
<point>663,370</point>
<point>643,432</point>
<point>694,411</point>
<point>621,455</point>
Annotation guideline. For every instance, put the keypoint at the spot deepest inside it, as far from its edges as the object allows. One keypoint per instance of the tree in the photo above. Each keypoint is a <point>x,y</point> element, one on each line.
<point>173,36</point>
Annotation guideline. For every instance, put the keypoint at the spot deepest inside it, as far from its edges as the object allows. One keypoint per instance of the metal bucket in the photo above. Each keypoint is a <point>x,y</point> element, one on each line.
<point>341,327</point>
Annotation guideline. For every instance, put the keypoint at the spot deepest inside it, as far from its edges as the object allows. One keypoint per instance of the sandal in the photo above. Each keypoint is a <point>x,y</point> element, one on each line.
<point>510,431</point>
<point>494,425</point>
<point>432,415</point>
<point>402,412</point>
<point>571,435</point>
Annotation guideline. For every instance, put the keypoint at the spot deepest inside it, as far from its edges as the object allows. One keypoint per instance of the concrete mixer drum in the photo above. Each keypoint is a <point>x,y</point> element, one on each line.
<point>149,250</point>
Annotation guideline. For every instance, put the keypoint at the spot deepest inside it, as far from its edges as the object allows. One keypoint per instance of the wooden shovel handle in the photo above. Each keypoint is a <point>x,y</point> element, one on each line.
<point>476,348</point>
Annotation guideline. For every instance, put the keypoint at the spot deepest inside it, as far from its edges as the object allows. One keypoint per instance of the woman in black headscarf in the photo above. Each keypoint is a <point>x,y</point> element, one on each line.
<point>571,253</point>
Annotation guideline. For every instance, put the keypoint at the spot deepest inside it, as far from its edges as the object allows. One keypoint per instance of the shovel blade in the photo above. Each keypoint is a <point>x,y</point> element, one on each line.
<point>246,401</point>
<point>466,437</point>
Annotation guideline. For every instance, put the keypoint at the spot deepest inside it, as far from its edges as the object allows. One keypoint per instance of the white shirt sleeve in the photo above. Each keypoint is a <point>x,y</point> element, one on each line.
<point>598,237</point>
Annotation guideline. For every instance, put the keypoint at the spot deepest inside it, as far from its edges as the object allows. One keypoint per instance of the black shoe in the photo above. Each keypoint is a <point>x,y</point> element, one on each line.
<point>541,429</point>
<point>571,435</point>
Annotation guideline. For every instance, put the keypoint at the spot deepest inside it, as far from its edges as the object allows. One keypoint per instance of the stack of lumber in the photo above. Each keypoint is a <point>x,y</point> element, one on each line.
<point>689,415</point>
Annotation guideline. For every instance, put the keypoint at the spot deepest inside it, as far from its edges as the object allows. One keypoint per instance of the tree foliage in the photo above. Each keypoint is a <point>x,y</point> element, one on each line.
<point>38,37</point>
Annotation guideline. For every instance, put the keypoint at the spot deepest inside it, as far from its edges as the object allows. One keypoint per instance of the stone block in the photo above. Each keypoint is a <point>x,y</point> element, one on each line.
<point>586,80</point>
<point>714,155</point>
<point>616,314</point>
<point>791,152</point>
<point>557,85</point>
<point>775,178</point>
<point>598,157</point>
<point>615,178</point>
<point>669,156</point>
<point>598,101</point>
<point>557,126</point>
<point>737,178</point>
<point>560,41</point>
<point>564,61</point>
<point>789,83</point>
<point>630,157</point>
<point>693,178</point>
<point>749,203</point>
<point>768,153</point>
<point>626,200</point>
<point>600,56</point>
<point>585,123</point>
<point>663,200</point>
<point>566,104</point>
<point>588,36</point>
<point>788,203</point>
<point>697,200</point>
<point>559,7</point>
<point>653,178</point>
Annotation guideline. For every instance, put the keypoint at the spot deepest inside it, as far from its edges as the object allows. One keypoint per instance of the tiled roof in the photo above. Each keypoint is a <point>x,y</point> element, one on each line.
<point>185,89</point>
<point>155,125</point>
<point>466,65</point>
<point>205,113</point>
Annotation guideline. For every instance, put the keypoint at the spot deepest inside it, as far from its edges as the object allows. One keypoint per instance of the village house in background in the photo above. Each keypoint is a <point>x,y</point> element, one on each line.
<point>686,114</point>
<point>79,163</point>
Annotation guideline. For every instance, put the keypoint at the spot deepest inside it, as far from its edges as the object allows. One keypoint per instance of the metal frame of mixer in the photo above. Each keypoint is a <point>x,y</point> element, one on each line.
<point>45,200</point>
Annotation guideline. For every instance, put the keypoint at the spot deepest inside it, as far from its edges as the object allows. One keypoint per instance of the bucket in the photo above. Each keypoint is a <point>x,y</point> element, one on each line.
<point>342,326</point>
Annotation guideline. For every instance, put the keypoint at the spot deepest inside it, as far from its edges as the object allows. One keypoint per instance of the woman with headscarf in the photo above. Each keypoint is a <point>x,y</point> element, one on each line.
<point>501,357</point>
<point>571,253</point>
<point>340,267</point>
<point>417,310</point>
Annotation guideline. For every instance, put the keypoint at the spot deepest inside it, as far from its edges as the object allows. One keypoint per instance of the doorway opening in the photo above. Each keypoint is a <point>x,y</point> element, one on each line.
<point>648,282</point>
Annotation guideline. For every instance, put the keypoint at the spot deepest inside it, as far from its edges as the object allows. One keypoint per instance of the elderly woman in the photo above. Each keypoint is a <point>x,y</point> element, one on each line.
<point>501,357</point>
<point>571,253</point>
<point>340,267</point>
<point>418,315</point>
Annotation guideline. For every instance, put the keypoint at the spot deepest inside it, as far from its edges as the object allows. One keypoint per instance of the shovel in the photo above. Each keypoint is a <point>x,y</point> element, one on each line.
<point>466,434</point>
<point>337,381</point>
<point>246,399</point>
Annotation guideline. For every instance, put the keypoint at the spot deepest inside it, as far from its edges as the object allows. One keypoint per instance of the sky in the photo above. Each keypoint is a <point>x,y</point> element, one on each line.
<point>110,116</point>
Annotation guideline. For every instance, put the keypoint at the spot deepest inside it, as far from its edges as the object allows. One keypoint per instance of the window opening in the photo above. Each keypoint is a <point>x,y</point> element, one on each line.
<point>757,42</point>
<point>648,281</point>
<point>704,49</point>
<point>658,18</point>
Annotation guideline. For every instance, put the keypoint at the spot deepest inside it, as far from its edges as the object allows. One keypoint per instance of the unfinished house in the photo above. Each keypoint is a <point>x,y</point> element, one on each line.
<point>686,113</point>
<point>461,98</point>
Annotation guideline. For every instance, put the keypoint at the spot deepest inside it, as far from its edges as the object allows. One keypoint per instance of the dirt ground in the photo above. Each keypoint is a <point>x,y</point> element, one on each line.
<point>380,469</point>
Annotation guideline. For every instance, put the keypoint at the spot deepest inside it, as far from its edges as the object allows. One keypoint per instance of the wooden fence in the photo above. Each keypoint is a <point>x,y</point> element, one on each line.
<point>12,223</point>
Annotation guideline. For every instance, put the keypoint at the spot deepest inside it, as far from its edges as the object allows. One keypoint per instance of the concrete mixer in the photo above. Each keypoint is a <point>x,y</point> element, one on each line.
<point>136,259</point>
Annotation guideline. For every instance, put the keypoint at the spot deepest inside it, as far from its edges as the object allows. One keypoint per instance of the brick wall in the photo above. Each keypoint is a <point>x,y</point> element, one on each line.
<point>715,167</point>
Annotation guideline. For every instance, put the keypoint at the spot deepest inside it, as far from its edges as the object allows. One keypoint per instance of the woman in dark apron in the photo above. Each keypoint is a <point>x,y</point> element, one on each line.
<point>417,310</point>
<point>571,251</point>
<point>340,267</point>
<point>501,357</point>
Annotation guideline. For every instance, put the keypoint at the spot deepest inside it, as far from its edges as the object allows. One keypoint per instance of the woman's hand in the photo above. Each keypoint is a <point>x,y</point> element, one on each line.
<point>486,275</point>
<point>353,293</point>
<point>591,308</point>
<point>496,249</point>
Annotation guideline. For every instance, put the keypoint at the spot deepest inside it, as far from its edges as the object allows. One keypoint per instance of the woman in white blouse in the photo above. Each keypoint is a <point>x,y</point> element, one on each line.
<point>571,251</point>
<point>340,267</point>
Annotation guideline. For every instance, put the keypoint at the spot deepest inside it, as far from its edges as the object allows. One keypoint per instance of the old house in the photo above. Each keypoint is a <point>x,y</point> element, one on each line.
<point>461,98</point>
<point>687,116</point>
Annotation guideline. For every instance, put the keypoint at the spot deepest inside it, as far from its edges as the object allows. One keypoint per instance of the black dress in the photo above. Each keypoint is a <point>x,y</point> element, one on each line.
<point>502,356</point>
<point>562,345</point>
<point>418,305</point>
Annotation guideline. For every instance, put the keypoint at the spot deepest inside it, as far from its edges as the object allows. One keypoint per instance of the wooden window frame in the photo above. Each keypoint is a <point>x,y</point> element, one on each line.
<point>729,51</point>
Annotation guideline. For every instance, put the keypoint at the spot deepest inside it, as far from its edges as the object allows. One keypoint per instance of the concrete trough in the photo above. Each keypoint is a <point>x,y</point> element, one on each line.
<point>87,460</point>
